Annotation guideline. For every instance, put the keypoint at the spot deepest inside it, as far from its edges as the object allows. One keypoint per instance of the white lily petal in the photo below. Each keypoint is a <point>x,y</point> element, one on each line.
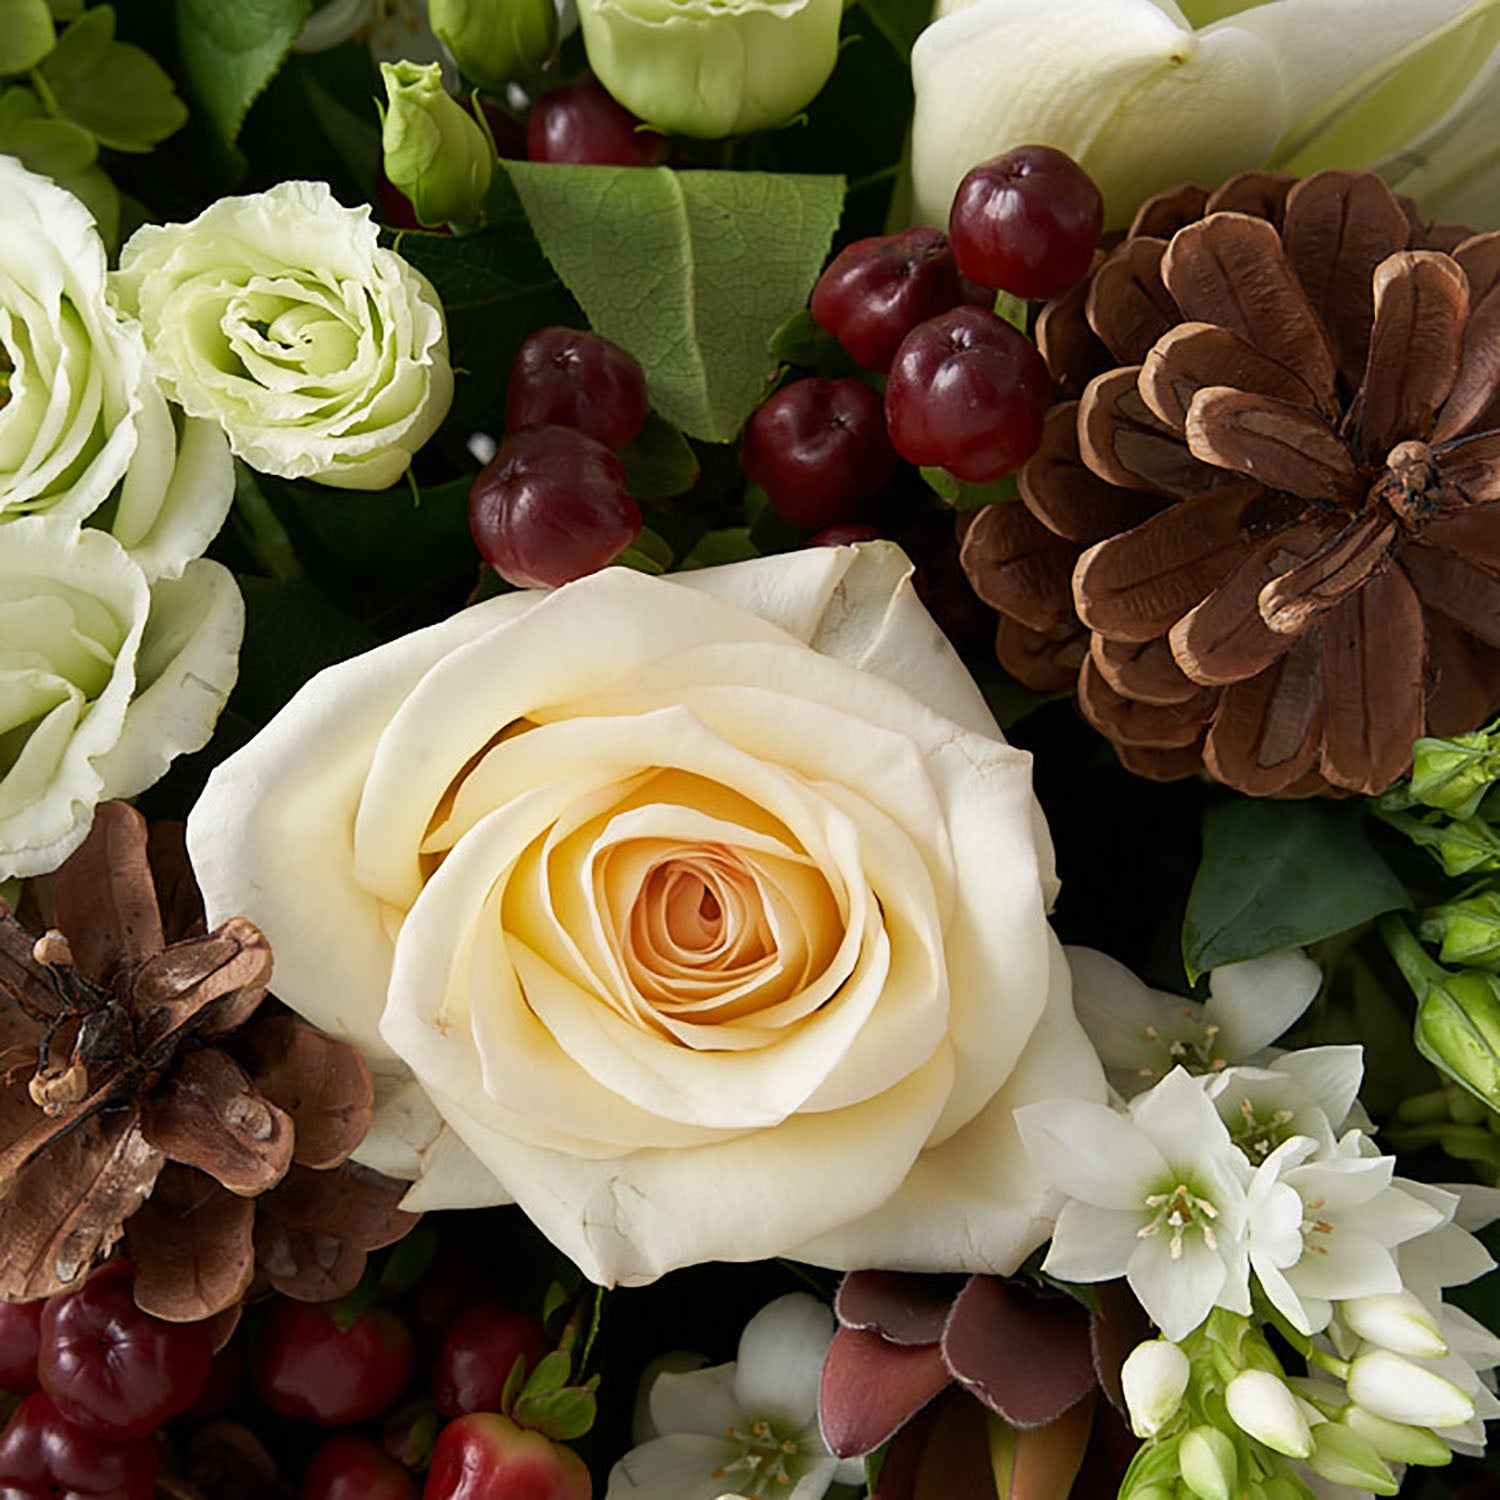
<point>780,1361</point>
<point>1253,1002</point>
<point>698,1401</point>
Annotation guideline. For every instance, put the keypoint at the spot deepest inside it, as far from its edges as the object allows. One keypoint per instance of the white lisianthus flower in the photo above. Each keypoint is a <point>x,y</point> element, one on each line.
<point>703,915</point>
<point>280,317</point>
<point>104,678</point>
<point>1142,1034</point>
<point>747,1428</point>
<point>1148,93</point>
<point>1157,1196</point>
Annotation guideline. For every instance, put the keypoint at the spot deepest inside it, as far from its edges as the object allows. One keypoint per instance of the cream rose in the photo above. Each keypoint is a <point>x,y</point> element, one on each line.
<point>280,317</point>
<point>704,916</point>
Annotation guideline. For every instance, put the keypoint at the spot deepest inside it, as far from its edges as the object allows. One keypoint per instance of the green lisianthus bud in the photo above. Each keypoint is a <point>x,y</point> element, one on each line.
<point>1458,1028</point>
<point>712,68</point>
<point>1468,930</point>
<point>1455,774</point>
<point>435,151</point>
<point>1209,1467</point>
<point>493,41</point>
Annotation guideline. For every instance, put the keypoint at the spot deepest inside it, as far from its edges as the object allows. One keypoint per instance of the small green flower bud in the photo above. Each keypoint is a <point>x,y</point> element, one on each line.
<point>435,152</point>
<point>1398,1442</point>
<point>1455,774</point>
<point>1458,1028</point>
<point>1265,1408</point>
<point>1344,1457</point>
<point>712,68</point>
<point>1467,845</point>
<point>493,41</point>
<point>1208,1464</point>
<point>1469,930</point>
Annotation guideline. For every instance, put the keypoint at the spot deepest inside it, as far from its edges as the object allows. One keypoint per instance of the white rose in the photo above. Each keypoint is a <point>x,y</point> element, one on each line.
<point>104,678</point>
<point>281,318</point>
<point>1144,97</point>
<point>706,912</point>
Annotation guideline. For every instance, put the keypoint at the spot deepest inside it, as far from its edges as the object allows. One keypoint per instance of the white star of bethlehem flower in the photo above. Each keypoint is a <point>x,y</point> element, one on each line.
<point>1325,1227</point>
<point>744,1429</point>
<point>1141,1033</point>
<point>1157,1196</point>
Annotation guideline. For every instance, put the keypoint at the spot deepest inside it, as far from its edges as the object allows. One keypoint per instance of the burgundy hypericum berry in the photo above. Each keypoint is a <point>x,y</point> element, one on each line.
<point>487,1457</point>
<point>565,377</point>
<point>582,124</point>
<point>845,534</point>
<point>308,1367</point>
<point>969,393</point>
<point>112,1369</point>
<point>42,1454</point>
<point>479,1348</point>
<point>350,1467</point>
<point>819,449</point>
<point>1027,222</point>
<point>876,291</point>
<point>20,1338</point>
<point>551,506</point>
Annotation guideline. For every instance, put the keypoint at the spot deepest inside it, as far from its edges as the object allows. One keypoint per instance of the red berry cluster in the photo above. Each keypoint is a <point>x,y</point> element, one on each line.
<point>99,1377</point>
<point>965,390</point>
<point>553,503</point>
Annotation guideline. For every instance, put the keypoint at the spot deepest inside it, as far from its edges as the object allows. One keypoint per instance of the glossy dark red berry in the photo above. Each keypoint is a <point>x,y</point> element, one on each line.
<point>112,1369</point>
<point>875,291</point>
<point>551,506</point>
<point>43,1455</point>
<point>20,1336</point>
<point>479,1348</point>
<point>819,449</point>
<point>1026,222</point>
<point>580,123</point>
<point>308,1367</point>
<point>566,377</point>
<point>969,393</point>
<point>351,1467</point>
<point>487,1457</point>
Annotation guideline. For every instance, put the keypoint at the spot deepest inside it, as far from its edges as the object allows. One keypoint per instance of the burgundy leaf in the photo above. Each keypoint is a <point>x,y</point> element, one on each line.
<point>902,1306</point>
<point>871,1386</point>
<point>1046,1459</point>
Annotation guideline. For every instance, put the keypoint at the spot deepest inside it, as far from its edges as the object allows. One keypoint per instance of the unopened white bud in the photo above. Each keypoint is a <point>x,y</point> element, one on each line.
<point>1344,1457</point>
<point>1397,1321</point>
<point>1206,1458</point>
<point>1154,1376</point>
<point>1265,1407</point>
<point>1402,1391</point>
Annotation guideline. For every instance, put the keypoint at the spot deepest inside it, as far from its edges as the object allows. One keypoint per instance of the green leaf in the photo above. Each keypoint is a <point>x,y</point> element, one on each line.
<point>1280,875</point>
<point>659,463</point>
<point>561,1415</point>
<point>900,22</point>
<point>962,495</point>
<point>26,34</point>
<point>44,143</point>
<point>116,91</point>
<point>230,52</point>
<point>718,262</point>
<point>726,545</point>
<point>408,1261</point>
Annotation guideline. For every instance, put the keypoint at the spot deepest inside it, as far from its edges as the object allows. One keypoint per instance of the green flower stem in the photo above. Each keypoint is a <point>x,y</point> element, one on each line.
<point>262,533</point>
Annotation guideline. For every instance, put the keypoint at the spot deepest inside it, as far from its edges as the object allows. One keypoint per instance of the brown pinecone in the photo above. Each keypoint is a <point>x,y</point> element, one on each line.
<point>1264,532</point>
<point>148,1093</point>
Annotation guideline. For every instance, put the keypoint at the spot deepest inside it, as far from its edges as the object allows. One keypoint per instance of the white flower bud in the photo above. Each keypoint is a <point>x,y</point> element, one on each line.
<point>1154,1376</point>
<point>1400,1391</point>
<point>1265,1407</point>
<point>1206,1457</point>
<point>1344,1457</point>
<point>1397,1321</point>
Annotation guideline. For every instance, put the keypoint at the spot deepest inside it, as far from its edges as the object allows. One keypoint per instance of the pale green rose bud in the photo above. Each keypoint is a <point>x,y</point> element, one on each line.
<point>1401,1391</point>
<point>435,151</point>
<point>1398,1442</point>
<point>1468,930</point>
<point>494,40</point>
<point>1209,1470</point>
<point>1345,1457</point>
<point>712,68</point>
<point>1397,1321</point>
<point>1264,1407</point>
<point>1154,1376</point>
